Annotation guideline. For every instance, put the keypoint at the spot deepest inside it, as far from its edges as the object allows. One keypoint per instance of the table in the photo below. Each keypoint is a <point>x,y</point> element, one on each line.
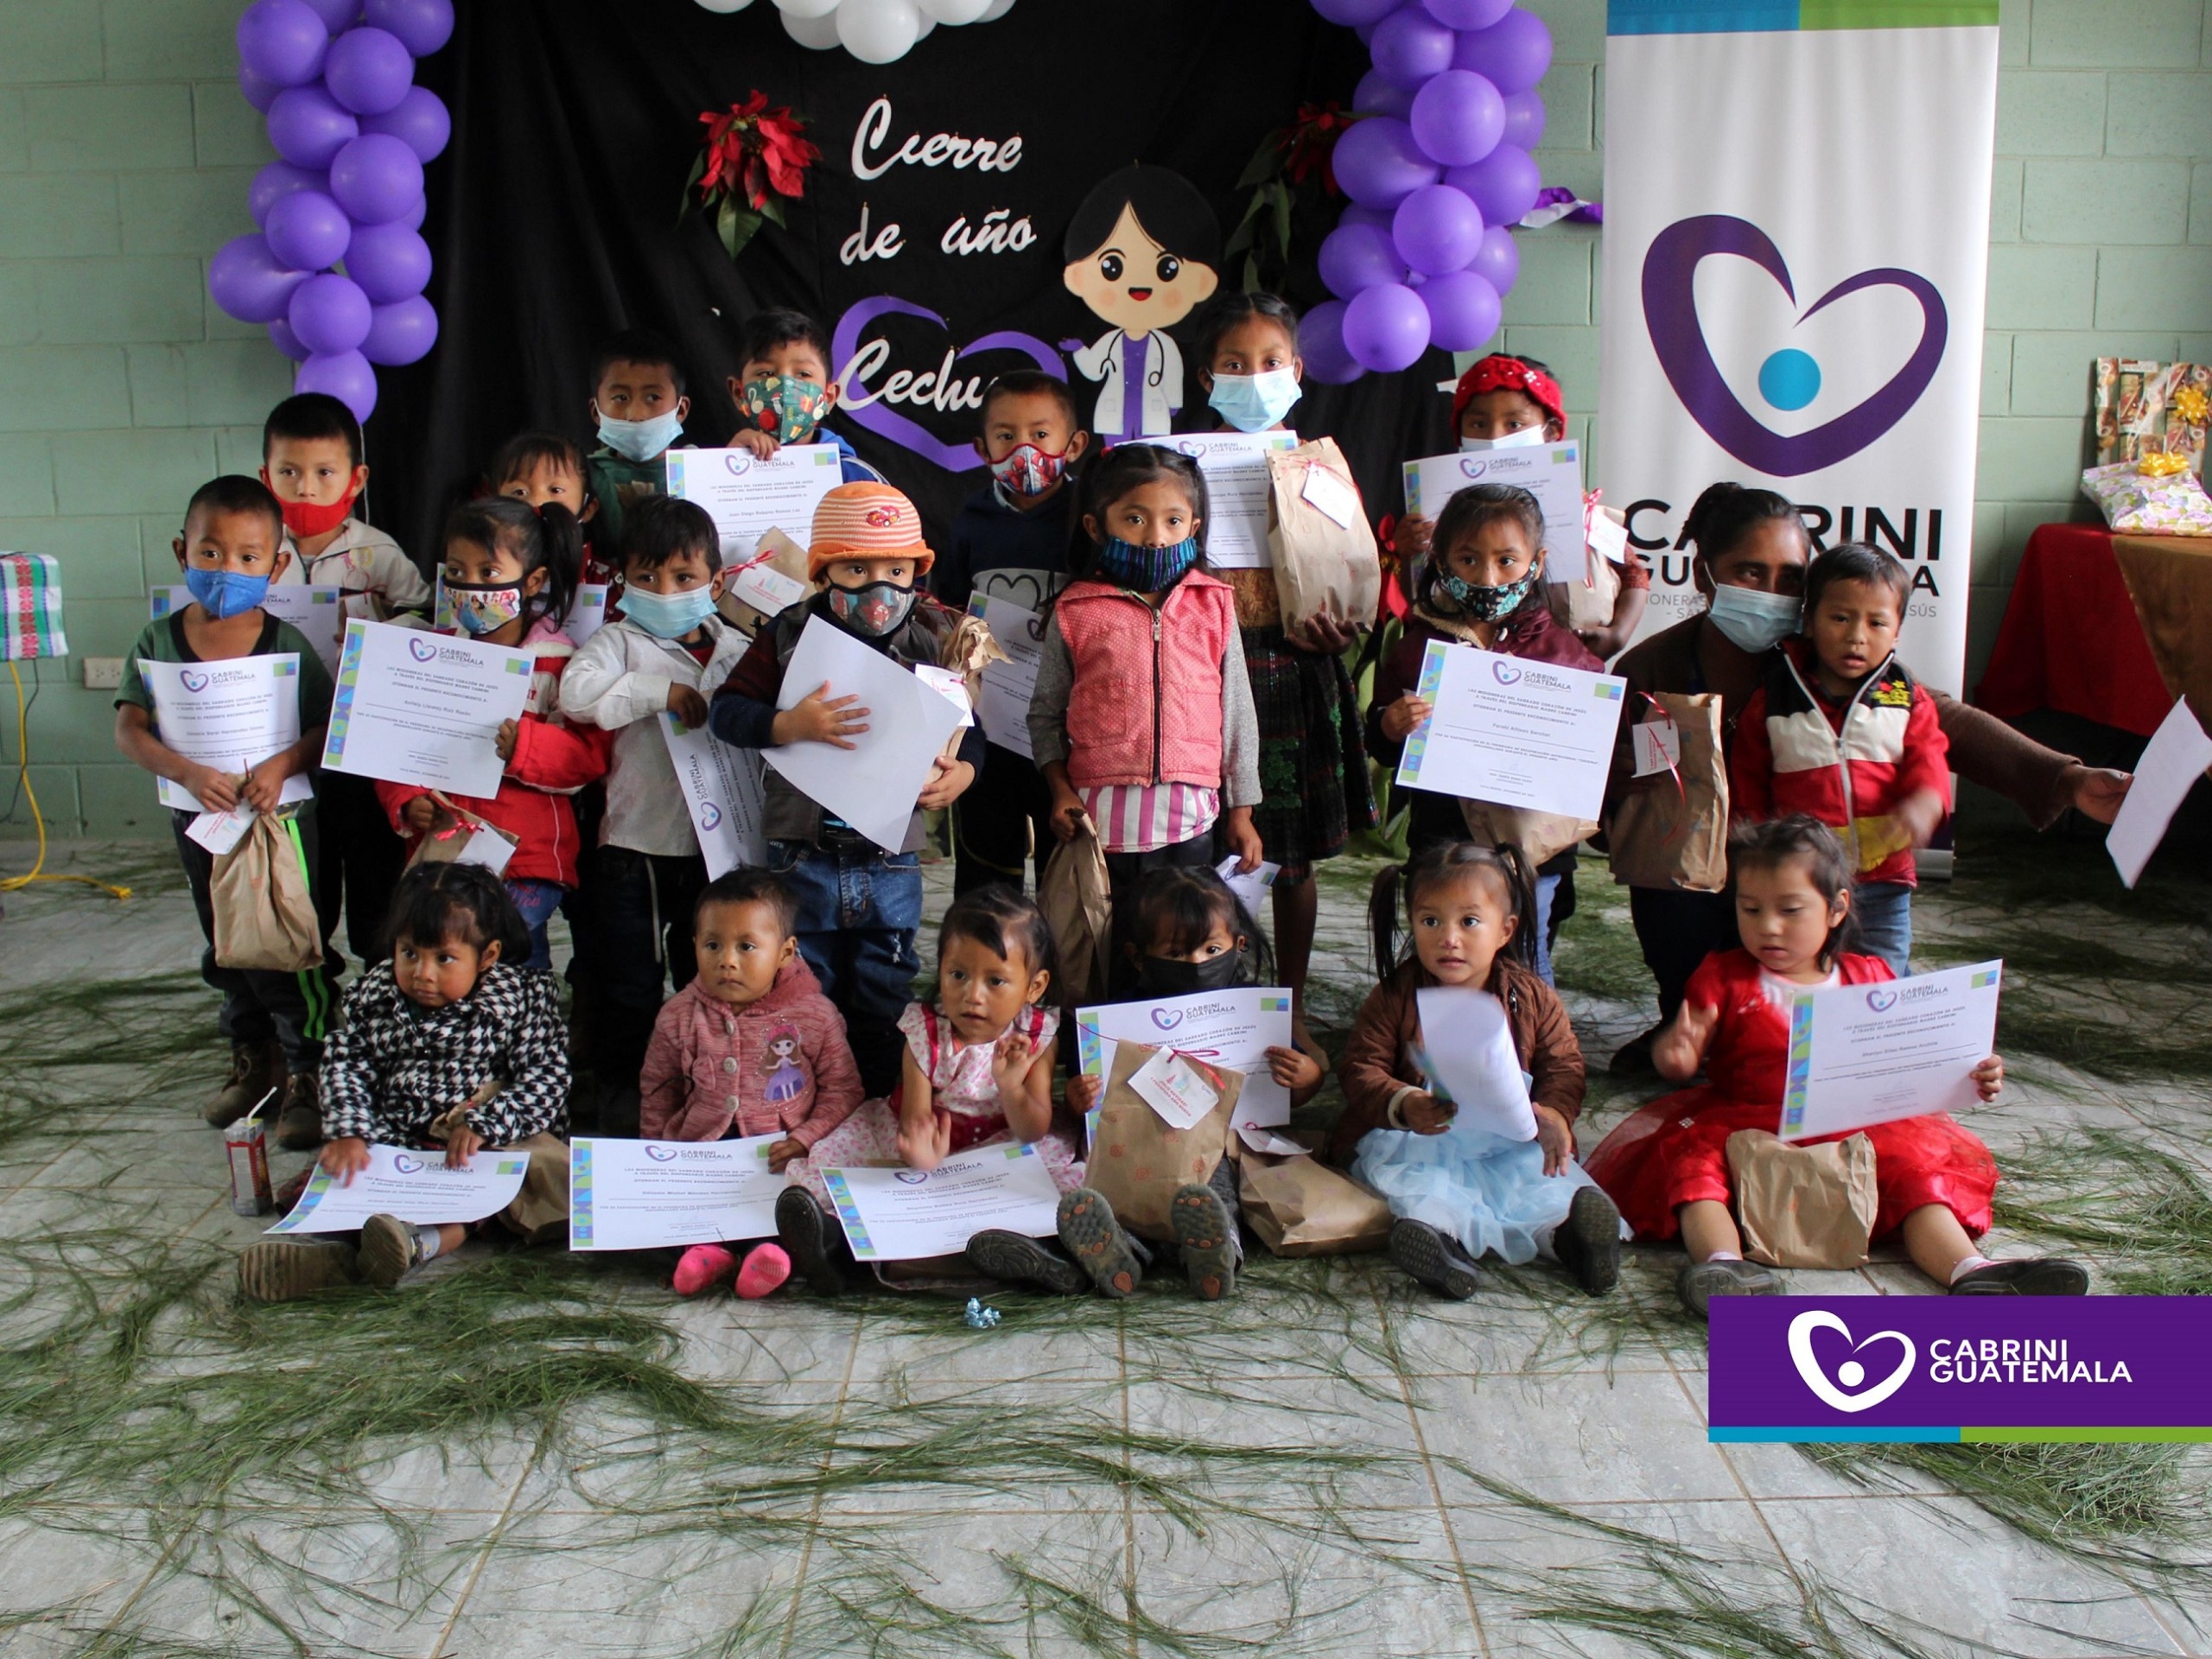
<point>2075,636</point>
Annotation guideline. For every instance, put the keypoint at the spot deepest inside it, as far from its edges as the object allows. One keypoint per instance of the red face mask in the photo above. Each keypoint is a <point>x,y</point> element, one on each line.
<point>305,518</point>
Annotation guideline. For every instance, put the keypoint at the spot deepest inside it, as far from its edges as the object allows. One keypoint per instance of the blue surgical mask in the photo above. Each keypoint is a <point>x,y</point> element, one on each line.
<point>640,441</point>
<point>224,593</point>
<point>1754,621</point>
<point>1146,569</point>
<point>1526,438</point>
<point>668,616</point>
<point>1253,402</point>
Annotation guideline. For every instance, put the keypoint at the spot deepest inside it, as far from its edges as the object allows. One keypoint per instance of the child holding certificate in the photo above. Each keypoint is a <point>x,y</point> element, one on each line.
<point>1460,1192</point>
<point>638,402</point>
<point>1667,1164</point>
<point>783,391</point>
<point>231,548</point>
<point>542,466</point>
<point>510,574</point>
<point>750,1046</point>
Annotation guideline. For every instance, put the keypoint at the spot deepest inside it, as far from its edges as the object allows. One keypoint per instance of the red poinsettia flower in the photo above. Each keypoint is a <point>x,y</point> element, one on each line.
<point>1310,142</point>
<point>755,155</point>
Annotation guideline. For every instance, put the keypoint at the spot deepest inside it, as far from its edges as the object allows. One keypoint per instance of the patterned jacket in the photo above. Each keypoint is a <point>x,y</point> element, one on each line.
<point>395,1068</point>
<point>777,1066</point>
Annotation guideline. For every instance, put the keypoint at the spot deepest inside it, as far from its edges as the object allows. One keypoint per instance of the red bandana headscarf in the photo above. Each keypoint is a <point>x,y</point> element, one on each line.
<point>1498,372</point>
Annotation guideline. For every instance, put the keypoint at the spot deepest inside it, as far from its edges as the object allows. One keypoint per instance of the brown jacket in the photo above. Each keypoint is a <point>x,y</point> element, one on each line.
<point>1374,1066</point>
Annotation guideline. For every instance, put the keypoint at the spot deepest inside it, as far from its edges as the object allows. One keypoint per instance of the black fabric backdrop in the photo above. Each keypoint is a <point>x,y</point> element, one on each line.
<point>554,213</point>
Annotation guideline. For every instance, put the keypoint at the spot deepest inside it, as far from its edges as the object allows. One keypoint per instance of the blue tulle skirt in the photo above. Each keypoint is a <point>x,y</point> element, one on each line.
<point>1488,1192</point>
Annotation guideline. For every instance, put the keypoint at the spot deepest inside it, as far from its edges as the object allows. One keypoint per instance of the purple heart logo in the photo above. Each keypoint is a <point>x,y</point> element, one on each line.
<point>660,1154</point>
<point>872,410</point>
<point>1167,1018</point>
<point>912,1177</point>
<point>405,1165</point>
<point>1506,673</point>
<point>740,461</point>
<point>1670,314</point>
<point>1469,466</point>
<point>710,816</point>
<point>422,651</point>
<point>1190,447</point>
<point>193,681</point>
<point>1882,1001</point>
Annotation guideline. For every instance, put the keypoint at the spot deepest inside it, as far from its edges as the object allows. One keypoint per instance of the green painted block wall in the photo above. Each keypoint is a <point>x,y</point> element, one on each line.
<point>125,152</point>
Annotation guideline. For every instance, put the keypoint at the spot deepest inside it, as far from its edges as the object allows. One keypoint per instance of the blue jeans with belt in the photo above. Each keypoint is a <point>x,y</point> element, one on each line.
<point>859,909</point>
<point>1884,913</point>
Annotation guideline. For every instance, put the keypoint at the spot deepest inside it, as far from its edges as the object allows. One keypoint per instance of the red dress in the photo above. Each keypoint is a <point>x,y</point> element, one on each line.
<point>1674,1151</point>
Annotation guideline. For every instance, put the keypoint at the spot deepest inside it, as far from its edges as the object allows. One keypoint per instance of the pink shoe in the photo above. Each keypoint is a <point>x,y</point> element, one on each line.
<point>766,1268</point>
<point>702,1267</point>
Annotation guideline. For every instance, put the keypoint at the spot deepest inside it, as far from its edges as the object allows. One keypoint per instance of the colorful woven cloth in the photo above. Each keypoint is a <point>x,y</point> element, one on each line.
<point>31,608</point>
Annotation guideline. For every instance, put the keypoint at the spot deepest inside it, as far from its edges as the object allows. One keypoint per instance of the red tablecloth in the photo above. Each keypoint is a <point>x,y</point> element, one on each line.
<point>2071,639</point>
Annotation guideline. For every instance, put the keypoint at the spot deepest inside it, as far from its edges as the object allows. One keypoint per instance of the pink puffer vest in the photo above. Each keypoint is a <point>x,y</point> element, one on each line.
<point>1144,707</point>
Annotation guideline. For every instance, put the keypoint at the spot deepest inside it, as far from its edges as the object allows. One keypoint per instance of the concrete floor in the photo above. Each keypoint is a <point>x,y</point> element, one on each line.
<point>1497,1463</point>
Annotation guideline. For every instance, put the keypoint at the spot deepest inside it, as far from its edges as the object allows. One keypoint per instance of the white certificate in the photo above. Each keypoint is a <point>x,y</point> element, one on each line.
<point>415,1186</point>
<point>1251,890</point>
<point>229,715</point>
<point>1518,733</point>
<point>1467,1050</point>
<point>905,1215</point>
<point>1232,1029</point>
<point>317,613</point>
<point>1863,1054</point>
<point>748,496</point>
<point>723,788</point>
<point>1238,493</point>
<point>643,1195</point>
<point>2175,757</point>
<point>1008,686</point>
<point>588,615</point>
<point>424,709</point>
<point>1550,472</point>
<point>874,784</point>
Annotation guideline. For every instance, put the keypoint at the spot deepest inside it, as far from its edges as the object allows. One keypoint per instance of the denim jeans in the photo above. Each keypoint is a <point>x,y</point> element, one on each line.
<point>1884,912</point>
<point>1547,890</point>
<point>537,900</point>
<point>858,913</point>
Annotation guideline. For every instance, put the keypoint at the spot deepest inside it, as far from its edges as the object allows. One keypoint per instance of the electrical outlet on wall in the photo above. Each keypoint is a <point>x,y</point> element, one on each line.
<point>103,673</point>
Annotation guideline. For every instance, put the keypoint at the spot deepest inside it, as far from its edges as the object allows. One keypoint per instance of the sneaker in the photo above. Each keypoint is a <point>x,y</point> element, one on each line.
<point>1096,1240</point>
<point>1012,1259</point>
<point>256,1068</point>
<point>1588,1243</point>
<point>1205,1233</point>
<point>702,1267</point>
<point>2026,1276</point>
<point>390,1247</point>
<point>1430,1257</point>
<point>1633,1058</point>
<point>804,1231</point>
<point>300,1127</point>
<point>1700,1281</point>
<point>285,1269</point>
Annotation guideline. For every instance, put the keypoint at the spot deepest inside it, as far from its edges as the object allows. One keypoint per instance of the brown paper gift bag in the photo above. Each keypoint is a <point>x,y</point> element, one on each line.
<point>1664,836</point>
<point>783,556</point>
<point>1322,564</point>
<point>450,832</point>
<point>264,913</point>
<point>1588,601</point>
<point>1803,1206</point>
<point>1138,1161</point>
<point>1539,835</point>
<point>1300,1206</point>
<point>1077,900</point>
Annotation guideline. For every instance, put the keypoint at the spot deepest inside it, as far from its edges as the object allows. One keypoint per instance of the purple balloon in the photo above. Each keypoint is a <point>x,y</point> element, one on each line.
<point>1321,343</point>
<point>413,218</point>
<point>1355,215</point>
<point>346,375</point>
<point>1355,14</point>
<point>337,16</point>
<point>249,282</point>
<point>376,178</point>
<point>1458,117</point>
<point>1379,164</point>
<point>1436,229</point>
<point>1409,46</point>
<point>281,337</point>
<point>257,91</point>
<point>1514,52</point>
<point>1385,328</point>
<point>402,332</point>
<point>1354,257</point>
<point>1375,96</point>
<point>419,120</point>
<point>329,313</point>
<point>390,263</point>
<point>1504,184</point>
<point>307,230</point>
<point>1497,262</point>
<point>368,71</point>
<point>422,26</point>
<point>1524,119</point>
<point>1463,311</point>
<point>307,127</point>
<point>276,180</point>
<point>282,41</point>
<point>1467,14</point>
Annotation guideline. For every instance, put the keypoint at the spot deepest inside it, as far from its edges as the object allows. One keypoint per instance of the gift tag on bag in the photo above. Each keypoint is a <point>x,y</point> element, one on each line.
<point>1658,746</point>
<point>1331,496</point>
<point>487,847</point>
<point>1175,1089</point>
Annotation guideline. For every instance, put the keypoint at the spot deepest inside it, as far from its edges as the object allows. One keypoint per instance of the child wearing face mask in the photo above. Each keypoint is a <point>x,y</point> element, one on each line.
<point>784,392</point>
<point>1484,586</point>
<point>510,574</point>
<point>542,466</point>
<point>638,407</point>
<point>664,656</point>
<point>859,905</point>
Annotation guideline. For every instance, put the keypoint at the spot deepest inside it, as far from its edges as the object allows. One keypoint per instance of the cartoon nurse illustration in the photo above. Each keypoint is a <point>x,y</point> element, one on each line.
<point>1141,253</point>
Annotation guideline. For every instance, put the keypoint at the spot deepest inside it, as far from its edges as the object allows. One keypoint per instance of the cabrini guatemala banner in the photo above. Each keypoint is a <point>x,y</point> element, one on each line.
<point>1796,226</point>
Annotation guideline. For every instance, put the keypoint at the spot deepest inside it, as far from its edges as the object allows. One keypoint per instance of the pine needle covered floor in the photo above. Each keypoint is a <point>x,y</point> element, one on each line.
<point>529,1454</point>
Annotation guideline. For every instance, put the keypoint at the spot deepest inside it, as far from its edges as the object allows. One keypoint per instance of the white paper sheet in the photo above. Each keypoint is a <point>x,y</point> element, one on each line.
<point>1251,890</point>
<point>1171,1084</point>
<point>767,590</point>
<point>424,709</point>
<point>906,1215</point>
<point>874,784</point>
<point>317,613</point>
<point>1658,745</point>
<point>220,831</point>
<point>588,615</point>
<point>2177,756</point>
<point>952,686</point>
<point>1468,1048</point>
<point>415,1186</point>
<point>1863,1054</point>
<point>487,847</point>
<point>1550,472</point>
<point>723,788</point>
<point>747,497</point>
<point>229,715</point>
<point>643,1195</point>
<point>1238,493</point>
<point>1233,1029</point>
<point>1009,686</point>
<point>1520,733</point>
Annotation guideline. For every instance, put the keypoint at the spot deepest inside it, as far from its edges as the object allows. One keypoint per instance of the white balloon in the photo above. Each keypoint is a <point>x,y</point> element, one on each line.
<point>878,31</point>
<point>923,33</point>
<point>725,5</point>
<point>817,34</point>
<point>806,8</point>
<point>998,8</point>
<point>955,12</point>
